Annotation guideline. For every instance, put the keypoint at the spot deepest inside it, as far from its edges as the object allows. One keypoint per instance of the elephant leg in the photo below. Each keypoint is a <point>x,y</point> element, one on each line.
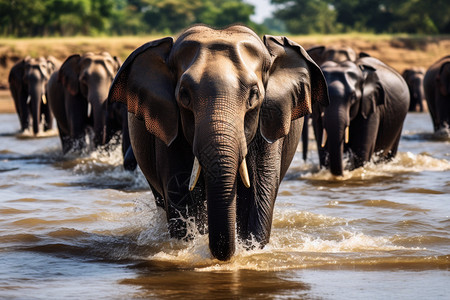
<point>129,160</point>
<point>318,132</point>
<point>168,171</point>
<point>65,140</point>
<point>305,137</point>
<point>363,136</point>
<point>76,113</point>
<point>182,206</point>
<point>393,151</point>
<point>24,112</point>
<point>443,111</point>
<point>48,117</point>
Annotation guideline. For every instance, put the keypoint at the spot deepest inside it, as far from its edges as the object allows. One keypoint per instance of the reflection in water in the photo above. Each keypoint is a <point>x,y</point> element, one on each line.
<point>241,284</point>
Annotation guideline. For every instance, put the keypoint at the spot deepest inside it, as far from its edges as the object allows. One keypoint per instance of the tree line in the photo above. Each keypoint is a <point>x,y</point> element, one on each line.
<point>376,16</point>
<point>21,18</point>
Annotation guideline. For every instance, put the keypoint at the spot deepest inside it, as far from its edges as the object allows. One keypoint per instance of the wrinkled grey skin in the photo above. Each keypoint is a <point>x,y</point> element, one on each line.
<point>221,96</point>
<point>82,80</point>
<point>437,93</point>
<point>28,83</point>
<point>321,54</point>
<point>414,80</point>
<point>369,97</point>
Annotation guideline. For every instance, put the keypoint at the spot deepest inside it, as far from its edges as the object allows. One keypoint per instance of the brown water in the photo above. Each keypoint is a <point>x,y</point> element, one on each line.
<point>84,228</point>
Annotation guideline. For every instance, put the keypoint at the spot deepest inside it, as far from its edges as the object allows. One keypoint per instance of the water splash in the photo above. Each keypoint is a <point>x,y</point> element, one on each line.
<point>404,162</point>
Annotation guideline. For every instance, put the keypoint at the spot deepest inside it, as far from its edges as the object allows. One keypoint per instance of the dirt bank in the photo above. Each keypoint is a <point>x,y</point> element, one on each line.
<point>400,52</point>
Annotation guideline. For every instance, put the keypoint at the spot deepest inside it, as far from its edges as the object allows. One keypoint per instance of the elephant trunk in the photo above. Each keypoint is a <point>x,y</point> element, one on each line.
<point>336,127</point>
<point>418,95</point>
<point>35,93</point>
<point>99,114</point>
<point>219,155</point>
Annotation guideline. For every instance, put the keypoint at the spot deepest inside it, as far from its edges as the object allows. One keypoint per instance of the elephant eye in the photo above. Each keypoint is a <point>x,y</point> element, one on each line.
<point>183,96</point>
<point>253,96</point>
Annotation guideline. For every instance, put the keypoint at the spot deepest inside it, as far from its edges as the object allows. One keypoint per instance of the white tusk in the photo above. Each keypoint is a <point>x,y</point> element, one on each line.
<point>28,99</point>
<point>324,138</point>
<point>347,134</point>
<point>196,168</point>
<point>44,99</point>
<point>244,173</point>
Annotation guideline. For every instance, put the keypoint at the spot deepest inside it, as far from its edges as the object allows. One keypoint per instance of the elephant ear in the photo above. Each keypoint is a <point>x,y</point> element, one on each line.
<point>316,53</point>
<point>52,64</point>
<point>17,72</point>
<point>294,83</point>
<point>111,64</point>
<point>146,85</point>
<point>69,73</point>
<point>443,78</point>
<point>373,93</point>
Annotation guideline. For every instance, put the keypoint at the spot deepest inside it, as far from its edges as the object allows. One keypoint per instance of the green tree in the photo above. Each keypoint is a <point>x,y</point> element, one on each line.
<point>328,16</point>
<point>307,16</point>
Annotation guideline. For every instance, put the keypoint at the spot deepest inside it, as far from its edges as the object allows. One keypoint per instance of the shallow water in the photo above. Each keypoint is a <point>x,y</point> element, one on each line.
<point>83,228</point>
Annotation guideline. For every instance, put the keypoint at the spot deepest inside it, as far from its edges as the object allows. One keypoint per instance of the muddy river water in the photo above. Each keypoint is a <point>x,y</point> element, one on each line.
<point>83,228</point>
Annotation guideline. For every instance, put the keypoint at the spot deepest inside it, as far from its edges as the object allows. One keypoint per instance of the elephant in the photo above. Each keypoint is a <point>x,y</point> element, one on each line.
<point>414,79</point>
<point>77,95</point>
<point>28,83</point>
<point>210,105</point>
<point>437,93</point>
<point>368,104</point>
<point>321,54</point>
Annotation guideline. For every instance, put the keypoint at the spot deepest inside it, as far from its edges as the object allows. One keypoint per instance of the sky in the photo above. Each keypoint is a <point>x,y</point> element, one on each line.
<point>263,9</point>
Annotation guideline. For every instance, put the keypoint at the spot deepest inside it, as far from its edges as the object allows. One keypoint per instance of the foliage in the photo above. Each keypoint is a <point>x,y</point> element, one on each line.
<point>130,17</point>
<point>393,16</point>
<point>121,17</point>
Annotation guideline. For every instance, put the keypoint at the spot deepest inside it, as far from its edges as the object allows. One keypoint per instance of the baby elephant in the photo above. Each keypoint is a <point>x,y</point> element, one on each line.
<point>368,104</point>
<point>28,84</point>
<point>414,79</point>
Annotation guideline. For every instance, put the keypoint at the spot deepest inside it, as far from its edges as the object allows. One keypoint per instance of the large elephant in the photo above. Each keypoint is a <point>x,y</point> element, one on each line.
<point>212,105</point>
<point>437,92</point>
<point>28,83</point>
<point>414,80</point>
<point>77,96</point>
<point>368,104</point>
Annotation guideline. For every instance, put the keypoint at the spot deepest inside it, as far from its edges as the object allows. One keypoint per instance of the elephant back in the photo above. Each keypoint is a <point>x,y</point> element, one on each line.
<point>393,83</point>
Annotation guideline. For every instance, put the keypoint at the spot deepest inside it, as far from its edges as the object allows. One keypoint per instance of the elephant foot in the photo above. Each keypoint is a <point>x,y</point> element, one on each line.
<point>185,208</point>
<point>442,134</point>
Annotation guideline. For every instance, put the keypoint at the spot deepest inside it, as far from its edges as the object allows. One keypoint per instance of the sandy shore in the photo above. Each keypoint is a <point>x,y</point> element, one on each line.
<point>6,102</point>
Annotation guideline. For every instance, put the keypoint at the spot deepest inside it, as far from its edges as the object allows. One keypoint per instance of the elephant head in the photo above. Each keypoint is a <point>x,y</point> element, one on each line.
<point>354,90</point>
<point>218,90</point>
<point>321,54</point>
<point>89,78</point>
<point>28,80</point>
<point>414,79</point>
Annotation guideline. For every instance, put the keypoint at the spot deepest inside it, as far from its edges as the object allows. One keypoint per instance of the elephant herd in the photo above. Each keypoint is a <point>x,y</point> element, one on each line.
<point>75,93</point>
<point>214,117</point>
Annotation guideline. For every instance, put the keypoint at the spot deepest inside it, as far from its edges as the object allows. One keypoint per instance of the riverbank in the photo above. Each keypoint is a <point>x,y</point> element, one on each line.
<point>6,102</point>
<point>398,51</point>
